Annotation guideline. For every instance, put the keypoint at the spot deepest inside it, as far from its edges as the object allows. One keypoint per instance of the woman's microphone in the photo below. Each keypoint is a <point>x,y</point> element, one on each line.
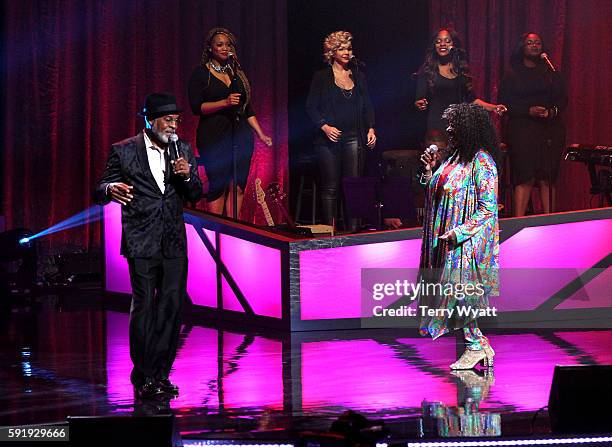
<point>427,173</point>
<point>233,60</point>
<point>357,62</point>
<point>550,64</point>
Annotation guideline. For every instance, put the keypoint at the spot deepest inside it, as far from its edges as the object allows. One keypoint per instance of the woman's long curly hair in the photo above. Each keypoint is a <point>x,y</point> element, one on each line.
<point>470,130</point>
<point>207,51</point>
<point>459,60</point>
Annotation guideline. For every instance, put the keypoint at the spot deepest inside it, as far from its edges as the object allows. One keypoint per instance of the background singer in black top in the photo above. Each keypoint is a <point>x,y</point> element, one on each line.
<point>339,105</point>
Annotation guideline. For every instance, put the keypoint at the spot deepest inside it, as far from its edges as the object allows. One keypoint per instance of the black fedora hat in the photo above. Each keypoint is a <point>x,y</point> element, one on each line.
<point>159,104</point>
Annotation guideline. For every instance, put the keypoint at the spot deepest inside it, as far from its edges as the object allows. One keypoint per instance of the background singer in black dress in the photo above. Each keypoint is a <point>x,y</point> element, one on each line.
<point>339,105</point>
<point>535,95</point>
<point>220,93</point>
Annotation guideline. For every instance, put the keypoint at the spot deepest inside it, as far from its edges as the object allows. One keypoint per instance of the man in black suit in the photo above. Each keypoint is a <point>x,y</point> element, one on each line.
<point>151,175</point>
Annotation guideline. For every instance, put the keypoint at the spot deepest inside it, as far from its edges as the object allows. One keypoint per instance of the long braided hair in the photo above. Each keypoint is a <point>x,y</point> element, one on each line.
<point>206,58</point>
<point>470,130</point>
<point>459,60</point>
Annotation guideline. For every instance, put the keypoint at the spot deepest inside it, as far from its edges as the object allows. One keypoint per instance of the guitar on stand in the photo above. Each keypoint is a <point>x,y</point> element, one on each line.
<point>276,195</point>
<point>261,199</point>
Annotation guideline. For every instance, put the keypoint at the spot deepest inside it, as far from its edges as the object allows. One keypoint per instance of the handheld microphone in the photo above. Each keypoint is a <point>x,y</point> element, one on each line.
<point>550,64</point>
<point>431,150</point>
<point>174,140</point>
<point>425,174</point>
<point>234,60</point>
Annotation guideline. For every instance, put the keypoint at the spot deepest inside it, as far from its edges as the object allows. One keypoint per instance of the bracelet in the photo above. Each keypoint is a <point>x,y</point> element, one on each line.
<point>425,178</point>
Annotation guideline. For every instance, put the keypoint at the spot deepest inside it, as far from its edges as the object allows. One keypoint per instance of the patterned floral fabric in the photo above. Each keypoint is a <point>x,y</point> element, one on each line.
<point>462,198</point>
<point>474,339</point>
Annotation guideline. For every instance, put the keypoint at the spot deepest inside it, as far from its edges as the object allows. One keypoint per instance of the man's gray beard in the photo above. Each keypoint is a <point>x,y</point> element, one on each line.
<point>161,136</point>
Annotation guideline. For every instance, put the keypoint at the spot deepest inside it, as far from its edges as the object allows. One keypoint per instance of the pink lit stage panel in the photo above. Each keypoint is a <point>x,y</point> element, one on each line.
<point>553,271</point>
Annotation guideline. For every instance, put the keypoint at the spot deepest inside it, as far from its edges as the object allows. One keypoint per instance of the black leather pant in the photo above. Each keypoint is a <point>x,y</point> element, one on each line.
<point>336,161</point>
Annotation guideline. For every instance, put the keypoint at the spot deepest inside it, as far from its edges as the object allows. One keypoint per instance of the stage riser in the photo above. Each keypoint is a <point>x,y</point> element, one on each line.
<point>554,272</point>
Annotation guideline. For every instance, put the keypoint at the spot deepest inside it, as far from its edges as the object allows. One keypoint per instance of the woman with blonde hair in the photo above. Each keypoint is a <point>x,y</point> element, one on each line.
<point>220,93</point>
<point>340,107</point>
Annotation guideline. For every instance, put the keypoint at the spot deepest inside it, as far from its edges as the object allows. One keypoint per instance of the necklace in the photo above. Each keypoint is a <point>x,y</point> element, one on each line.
<point>219,68</point>
<point>346,93</point>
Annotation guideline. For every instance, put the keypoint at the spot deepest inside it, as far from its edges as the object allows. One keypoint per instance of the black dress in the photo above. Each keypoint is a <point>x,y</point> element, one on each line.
<point>444,93</point>
<point>535,144</point>
<point>214,133</point>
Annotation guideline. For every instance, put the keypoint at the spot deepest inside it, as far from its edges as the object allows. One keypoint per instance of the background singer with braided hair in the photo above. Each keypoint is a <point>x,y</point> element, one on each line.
<point>220,94</point>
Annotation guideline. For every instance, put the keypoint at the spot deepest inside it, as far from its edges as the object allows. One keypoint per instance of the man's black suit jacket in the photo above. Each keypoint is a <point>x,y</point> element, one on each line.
<point>152,223</point>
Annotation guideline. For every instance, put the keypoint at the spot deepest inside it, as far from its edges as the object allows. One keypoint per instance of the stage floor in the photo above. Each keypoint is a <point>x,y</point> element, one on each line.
<point>67,355</point>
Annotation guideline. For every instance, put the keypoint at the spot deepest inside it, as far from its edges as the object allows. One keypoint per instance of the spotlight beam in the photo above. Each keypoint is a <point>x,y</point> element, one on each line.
<point>90,215</point>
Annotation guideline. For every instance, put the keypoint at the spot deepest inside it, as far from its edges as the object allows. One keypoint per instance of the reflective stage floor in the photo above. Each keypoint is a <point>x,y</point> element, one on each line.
<point>67,356</point>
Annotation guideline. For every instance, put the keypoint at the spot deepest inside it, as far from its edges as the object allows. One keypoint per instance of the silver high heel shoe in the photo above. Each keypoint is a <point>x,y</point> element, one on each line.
<point>490,354</point>
<point>469,359</point>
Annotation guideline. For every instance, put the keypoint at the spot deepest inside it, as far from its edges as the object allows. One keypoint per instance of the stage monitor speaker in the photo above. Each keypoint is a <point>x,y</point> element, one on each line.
<point>581,399</point>
<point>158,430</point>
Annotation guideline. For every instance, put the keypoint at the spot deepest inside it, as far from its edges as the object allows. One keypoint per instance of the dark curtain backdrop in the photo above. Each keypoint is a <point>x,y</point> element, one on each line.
<point>577,34</point>
<point>76,75</point>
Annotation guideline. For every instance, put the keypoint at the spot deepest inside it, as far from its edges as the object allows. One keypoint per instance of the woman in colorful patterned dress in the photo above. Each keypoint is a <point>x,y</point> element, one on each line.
<point>460,234</point>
